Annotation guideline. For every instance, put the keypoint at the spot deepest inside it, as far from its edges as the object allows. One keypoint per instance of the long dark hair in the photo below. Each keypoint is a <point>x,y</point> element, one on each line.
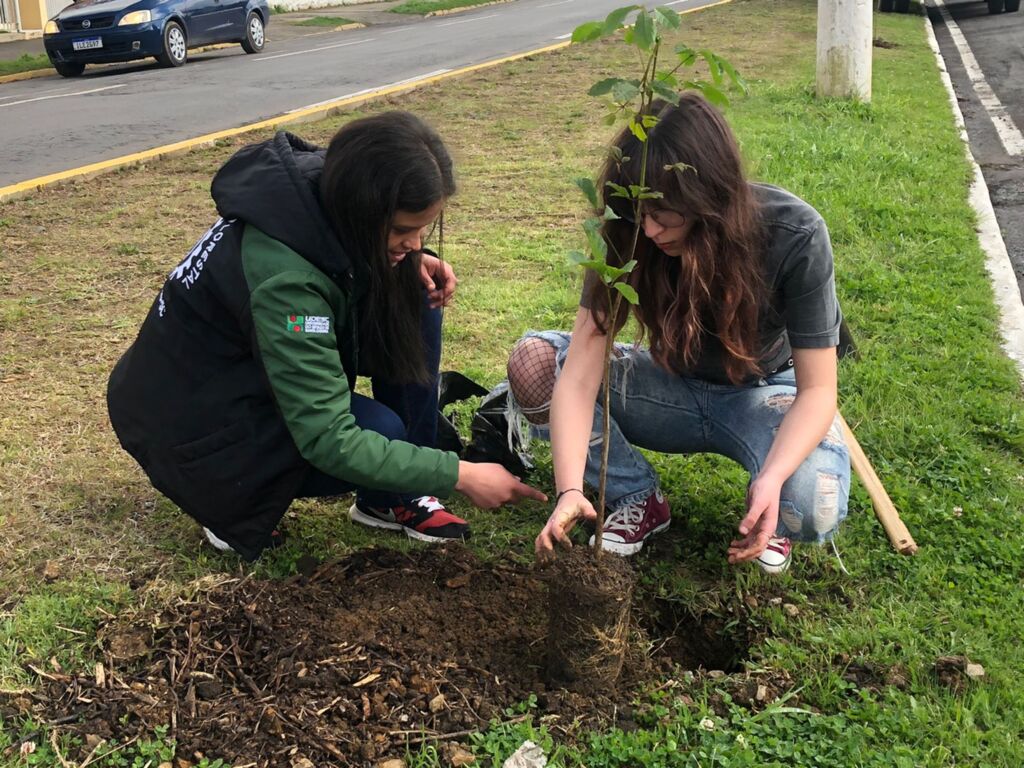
<point>717,285</point>
<point>374,167</point>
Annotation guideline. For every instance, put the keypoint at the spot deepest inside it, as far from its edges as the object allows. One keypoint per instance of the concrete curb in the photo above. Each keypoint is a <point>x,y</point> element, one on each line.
<point>308,114</point>
<point>47,71</point>
<point>997,260</point>
<point>465,8</point>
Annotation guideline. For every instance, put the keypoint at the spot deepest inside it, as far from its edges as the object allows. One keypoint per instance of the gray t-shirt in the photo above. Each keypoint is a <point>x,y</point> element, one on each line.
<point>802,310</point>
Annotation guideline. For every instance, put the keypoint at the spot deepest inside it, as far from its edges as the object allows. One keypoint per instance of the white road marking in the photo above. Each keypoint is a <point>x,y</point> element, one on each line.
<point>552,5</point>
<point>62,95</point>
<point>997,261</point>
<point>49,90</point>
<point>352,95</point>
<point>314,50</point>
<point>1009,134</point>
<point>467,21</point>
<point>566,36</point>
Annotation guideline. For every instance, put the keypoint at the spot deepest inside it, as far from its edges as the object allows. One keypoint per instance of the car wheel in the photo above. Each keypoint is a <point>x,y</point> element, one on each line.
<point>885,6</point>
<point>68,68</point>
<point>254,36</point>
<point>995,6</point>
<point>175,48</point>
<point>902,6</point>
<point>1012,6</point>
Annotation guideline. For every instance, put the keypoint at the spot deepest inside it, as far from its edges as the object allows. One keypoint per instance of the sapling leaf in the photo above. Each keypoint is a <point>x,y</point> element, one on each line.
<point>587,187</point>
<point>628,266</point>
<point>628,291</point>
<point>665,91</point>
<point>601,87</point>
<point>714,95</point>
<point>643,31</point>
<point>734,76</point>
<point>680,167</point>
<point>649,121</point>
<point>609,214</point>
<point>584,33</point>
<point>615,152</point>
<point>614,21</point>
<point>610,119</point>
<point>714,66</point>
<point>637,130</point>
<point>618,190</point>
<point>577,257</point>
<point>624,91</point>
<point>667,78</point>
<point>686,55</point>
<point>667,17</point>
<point>596,266</point>
<point>598,247</point>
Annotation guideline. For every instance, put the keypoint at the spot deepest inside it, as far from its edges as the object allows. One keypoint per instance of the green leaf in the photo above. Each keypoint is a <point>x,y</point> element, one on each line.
<point>601,87</point>
<point>714,66</point>
<point>665,91</point>
<point>667,17</point>
<point>680,167</point>
<point>618,190</point>
<point>609,214</point>
<point>734,76</point>
<point>598,247</point>
<point>628,266</point>
<point>616,153</point>
<point>629,292</point>
<point>625,91</point>
<point>617,18</point>
<point>610,118</point>
<point>637,130</point>
<point>584,33</point>
<point>714,95</point>
<point>577,257</point>
<point>587,187</point>
<point>596,266</point>
<point>687,56</point>
<point>643,31</point>
<point>649,121</point>
<point>667,78</point>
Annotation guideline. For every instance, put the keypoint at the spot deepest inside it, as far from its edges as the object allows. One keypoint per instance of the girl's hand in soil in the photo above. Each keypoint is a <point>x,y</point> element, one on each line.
<point>760,522</point>
<point>491,485</point>
<point>571,508</point>
<point>439,279</point>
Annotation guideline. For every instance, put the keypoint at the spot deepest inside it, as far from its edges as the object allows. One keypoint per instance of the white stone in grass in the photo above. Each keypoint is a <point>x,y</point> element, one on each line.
<point>707,724</point>
<point>975,671</point>
<point>529,755</point>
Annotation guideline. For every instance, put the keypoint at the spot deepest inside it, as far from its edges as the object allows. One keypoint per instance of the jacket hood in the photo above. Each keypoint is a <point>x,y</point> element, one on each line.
<point>274,186</point>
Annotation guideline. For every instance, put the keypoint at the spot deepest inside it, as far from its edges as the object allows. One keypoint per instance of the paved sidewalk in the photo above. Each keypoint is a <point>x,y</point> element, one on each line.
<point>282,26</point>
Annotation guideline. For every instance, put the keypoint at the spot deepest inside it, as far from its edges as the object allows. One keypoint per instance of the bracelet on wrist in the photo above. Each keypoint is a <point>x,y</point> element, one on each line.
<point>558,498</point>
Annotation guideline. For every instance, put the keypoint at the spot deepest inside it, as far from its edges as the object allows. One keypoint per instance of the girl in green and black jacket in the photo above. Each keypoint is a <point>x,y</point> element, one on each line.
<point>238,394</point>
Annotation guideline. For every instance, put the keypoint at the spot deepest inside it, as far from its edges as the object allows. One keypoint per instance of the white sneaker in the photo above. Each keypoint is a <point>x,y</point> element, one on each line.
<point>777,556</point>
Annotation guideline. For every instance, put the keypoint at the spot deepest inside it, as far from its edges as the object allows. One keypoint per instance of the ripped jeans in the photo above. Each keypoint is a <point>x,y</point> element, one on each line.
<point>660,411</point>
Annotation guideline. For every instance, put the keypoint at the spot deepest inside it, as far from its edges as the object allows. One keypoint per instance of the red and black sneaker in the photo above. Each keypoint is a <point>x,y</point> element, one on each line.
<point>423,518</point>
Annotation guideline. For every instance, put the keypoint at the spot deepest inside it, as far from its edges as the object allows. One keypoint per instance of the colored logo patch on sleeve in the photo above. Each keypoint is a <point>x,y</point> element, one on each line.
<point>309,324</point>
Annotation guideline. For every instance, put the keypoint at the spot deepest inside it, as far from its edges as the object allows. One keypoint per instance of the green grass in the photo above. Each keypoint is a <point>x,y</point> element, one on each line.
<point>933,401</point>
<point>423,7</point>
<point>25,63</point>
<point>324,21</point>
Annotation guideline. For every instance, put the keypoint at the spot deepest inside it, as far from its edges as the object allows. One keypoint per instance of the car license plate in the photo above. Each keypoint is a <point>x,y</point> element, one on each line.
<point>87,43</point>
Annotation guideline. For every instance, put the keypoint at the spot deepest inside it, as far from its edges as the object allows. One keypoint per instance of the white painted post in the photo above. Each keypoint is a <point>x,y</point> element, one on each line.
<point>844,49</point>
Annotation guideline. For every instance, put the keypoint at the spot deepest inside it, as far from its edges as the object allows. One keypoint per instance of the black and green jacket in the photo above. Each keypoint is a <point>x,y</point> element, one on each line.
<point>239,382</point>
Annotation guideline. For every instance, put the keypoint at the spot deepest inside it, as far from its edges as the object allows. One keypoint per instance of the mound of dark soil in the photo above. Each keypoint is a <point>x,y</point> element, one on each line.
<point>354,662</point>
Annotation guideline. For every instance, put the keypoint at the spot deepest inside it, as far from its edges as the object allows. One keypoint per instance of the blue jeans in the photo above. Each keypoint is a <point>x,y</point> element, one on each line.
<point>398,412</point>
<point>657,410</point>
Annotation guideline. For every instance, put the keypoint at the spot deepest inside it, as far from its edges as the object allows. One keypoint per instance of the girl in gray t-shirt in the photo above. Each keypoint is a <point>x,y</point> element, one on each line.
<point>738,308</point>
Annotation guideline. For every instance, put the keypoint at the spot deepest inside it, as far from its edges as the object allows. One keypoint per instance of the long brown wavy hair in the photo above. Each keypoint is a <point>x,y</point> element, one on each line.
<point>716,286</point>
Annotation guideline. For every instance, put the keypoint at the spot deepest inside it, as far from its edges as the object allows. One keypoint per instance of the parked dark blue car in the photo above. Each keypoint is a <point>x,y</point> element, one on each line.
<point>103,31</point>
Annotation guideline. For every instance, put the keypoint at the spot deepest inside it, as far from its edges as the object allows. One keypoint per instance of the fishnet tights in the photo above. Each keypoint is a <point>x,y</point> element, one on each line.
<point>531,377</point>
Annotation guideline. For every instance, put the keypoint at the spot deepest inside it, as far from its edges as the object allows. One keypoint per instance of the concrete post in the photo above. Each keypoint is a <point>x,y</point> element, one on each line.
<point>844,49</point>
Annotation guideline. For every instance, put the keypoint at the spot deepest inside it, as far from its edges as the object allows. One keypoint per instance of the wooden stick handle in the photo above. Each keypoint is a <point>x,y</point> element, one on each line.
<point>885,511</point>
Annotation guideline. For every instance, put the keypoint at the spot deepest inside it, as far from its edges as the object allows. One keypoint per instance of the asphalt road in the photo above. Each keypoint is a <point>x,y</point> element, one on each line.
<point>53,124</point>
<point>996,44</point>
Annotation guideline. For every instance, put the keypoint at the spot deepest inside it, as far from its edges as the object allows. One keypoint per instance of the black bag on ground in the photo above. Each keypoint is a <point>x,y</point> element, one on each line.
<point>491,439</point>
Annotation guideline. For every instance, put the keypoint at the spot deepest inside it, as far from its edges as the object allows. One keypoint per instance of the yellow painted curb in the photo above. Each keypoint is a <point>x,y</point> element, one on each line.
<point>46,71</point>
<point>309,114</point>
<point>353,25</point>
<point>29,75</point>
<point>464,8</point>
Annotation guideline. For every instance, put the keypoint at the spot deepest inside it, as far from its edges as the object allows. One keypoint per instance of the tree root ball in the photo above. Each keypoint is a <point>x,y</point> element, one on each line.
<point>589,602</point>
